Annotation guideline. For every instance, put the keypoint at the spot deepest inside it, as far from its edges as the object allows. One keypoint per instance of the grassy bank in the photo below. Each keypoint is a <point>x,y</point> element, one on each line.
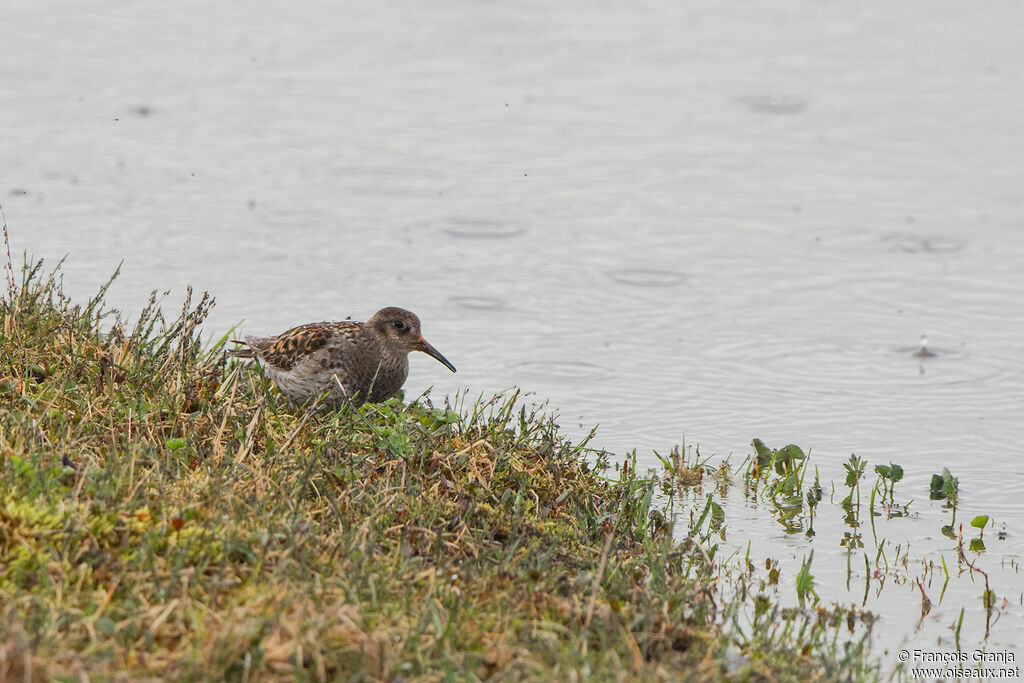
<point>163,513</point>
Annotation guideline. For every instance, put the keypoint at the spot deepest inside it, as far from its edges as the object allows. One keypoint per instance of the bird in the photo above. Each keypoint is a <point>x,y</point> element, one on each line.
<point>342,362</point>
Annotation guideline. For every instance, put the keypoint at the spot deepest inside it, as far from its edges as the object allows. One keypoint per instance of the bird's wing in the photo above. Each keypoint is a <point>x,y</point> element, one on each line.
<point>291,347</point>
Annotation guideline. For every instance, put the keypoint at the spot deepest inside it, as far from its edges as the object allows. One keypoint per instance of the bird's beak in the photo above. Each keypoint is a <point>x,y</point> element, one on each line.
<point>431,351</point>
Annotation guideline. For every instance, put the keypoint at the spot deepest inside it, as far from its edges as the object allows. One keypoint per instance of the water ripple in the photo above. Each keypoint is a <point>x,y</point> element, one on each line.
<point>773,103</point>
<point>925,244</point>
<point>478,303</point>
<point>392,180</point>
<point>646,277</point>
<point>862,367</point>
<point>479,228</point>
<point>561,370</point>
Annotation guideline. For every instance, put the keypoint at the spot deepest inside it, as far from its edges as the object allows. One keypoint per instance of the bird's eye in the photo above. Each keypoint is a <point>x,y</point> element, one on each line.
<point>399,325</point>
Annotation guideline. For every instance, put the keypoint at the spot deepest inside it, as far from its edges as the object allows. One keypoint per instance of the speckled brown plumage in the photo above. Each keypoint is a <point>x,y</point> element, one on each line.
<point>343,361</point>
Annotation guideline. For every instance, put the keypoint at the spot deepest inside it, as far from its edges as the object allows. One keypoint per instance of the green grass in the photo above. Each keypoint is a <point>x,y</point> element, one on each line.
<point>163,513</point>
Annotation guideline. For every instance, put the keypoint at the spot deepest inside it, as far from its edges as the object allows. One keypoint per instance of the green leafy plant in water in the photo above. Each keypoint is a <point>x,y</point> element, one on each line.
<point>784,460</point>
<point>979,523</point>
<point>805,582</point>
<point>888,476</point>
<point>946,487</point>
<point>715,515</point>
<point>854,467</point>
<point>681,469</point>
<point>813,498</point>
<point>762,453</point>
<point>891,473</point>
<point>781,472</point>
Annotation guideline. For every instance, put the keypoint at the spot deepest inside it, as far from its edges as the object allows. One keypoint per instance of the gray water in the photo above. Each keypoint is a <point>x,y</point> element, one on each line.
<point>698,220</point>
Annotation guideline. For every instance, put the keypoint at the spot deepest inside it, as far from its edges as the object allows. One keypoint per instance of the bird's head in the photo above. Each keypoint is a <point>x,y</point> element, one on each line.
<point>400,329</point>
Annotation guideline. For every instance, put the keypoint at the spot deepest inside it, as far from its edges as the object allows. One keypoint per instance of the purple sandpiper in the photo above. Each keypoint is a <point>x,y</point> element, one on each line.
<point>343,362</point>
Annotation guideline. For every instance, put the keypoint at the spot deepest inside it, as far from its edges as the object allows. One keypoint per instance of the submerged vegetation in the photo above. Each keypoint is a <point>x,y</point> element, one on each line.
<point>163,513</point>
